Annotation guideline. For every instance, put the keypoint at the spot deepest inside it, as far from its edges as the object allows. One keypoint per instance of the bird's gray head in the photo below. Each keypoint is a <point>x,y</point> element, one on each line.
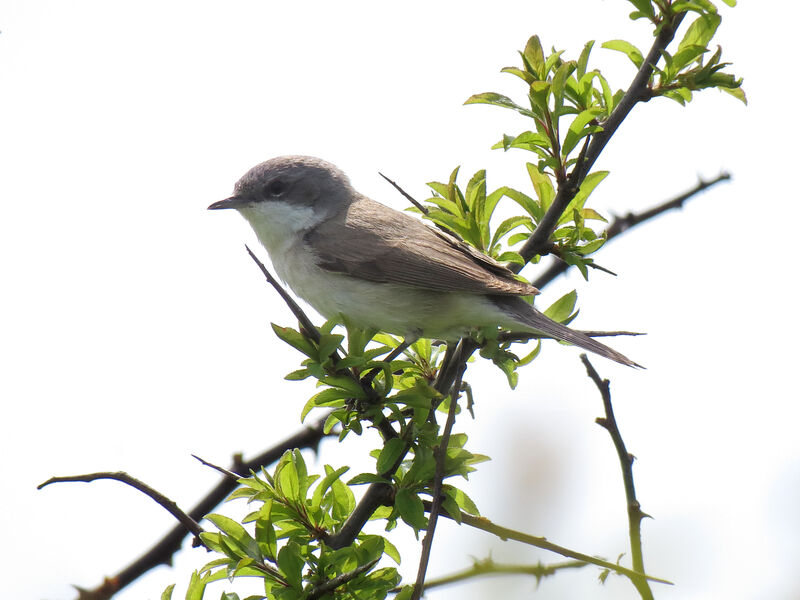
<point>303,181</point>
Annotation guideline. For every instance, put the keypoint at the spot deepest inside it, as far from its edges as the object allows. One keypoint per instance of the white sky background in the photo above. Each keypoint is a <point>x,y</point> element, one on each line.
<point>135,329</point>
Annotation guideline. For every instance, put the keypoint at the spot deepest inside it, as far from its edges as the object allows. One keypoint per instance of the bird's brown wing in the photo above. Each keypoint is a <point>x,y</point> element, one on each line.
<point>373,242</point>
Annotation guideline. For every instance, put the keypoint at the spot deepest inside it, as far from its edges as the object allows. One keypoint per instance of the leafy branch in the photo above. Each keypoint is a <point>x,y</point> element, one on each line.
<point>304,536</point>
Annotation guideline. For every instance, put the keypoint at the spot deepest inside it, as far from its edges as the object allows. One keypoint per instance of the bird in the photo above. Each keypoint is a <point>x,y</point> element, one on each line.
<point>351,257</point>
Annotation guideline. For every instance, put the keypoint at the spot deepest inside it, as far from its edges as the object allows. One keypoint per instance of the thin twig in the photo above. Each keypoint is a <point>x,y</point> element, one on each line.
<point>421,207</point>
<point>622,224</point>
<point>505,534</point>
<point>381,425</point>
<point>170,505</point>
<point>436,504</point>
<point>304,321</point>
<point>229,474</point>
<point>489,567</point>
<point>635,514</point>
<point>161,552</point>
<point>330,585</point>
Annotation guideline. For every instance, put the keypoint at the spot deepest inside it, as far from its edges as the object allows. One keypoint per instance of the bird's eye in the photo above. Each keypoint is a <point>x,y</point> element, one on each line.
<point>274,188</point>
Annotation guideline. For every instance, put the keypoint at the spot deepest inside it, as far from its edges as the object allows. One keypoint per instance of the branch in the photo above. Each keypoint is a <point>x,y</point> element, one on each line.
<point>421,207</point>
<point>172,507</point>
<point>635,514</point>
<point>622,224</point>
<point>304,321</point>
<point>505,534</point>
<point>436,504</point>
<point>332,584</point>
<point>379,494</point>
<point>161,552</point>
<point>489,567</point>
<point>637,92</point>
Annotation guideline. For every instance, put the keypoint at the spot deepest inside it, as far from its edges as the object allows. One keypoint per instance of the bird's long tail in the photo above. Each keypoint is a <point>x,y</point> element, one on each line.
<point>523,312</point>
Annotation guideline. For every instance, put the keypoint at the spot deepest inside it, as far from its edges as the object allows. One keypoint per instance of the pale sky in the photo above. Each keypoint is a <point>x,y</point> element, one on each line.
<point>135,329</point>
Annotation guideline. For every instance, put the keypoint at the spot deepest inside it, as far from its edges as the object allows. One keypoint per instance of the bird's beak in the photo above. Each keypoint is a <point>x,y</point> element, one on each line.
<point>232,202</point>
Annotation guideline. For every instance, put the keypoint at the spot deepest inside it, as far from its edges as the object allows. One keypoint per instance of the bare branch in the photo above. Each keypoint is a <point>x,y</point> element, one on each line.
<point>635,514</point>
<point>304,321</point>
<point>436,504</point>
<point>229,474</point>
<point>504,533</point>
<point>622,224</point>
<point>161,552</point>
<point>489,567</point>
<point>421,207</point>
<point>172,507</point>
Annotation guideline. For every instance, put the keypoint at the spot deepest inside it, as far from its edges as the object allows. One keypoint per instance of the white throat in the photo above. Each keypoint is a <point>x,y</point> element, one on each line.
<point>278,225</point>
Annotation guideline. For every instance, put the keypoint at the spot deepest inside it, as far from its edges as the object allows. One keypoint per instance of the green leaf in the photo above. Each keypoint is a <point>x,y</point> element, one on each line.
<point>405,593</point>
<point>528,358</point>
<point>363,478</point>
<point>390,454</point>
<point>527,77</point>
<point>390,550</point>
<point>737,93</point>
<point>559,83</point>
<point>591,181</point>
<point>528,140</point>
<point>410,508</point>
<point>287,478</point>
<point>298,375</point>
<point>329,397</point>
<point>644,7</point>
<point>167,593</point>
<point>583,61</point>
<point>509,256</point>
<point>578,129</point>
<point>291,563</point>
<point>509,225</point>
<point>197,587</point>
<point>562,308</point>
<point>265,531</point>
<point>328,344</point>
<point>463,501</point>
<point>631,51</point>
<point>700,31</point>
<point>609,100</point>
<point>543,187</point>
<point>295,339</point>
<point>498,100</point>
<point>341,499</point>
<point>244,544</point>
<point>348,384</point>
<point>533,57</point>
<point>590,213</point>
<point>323,486</point>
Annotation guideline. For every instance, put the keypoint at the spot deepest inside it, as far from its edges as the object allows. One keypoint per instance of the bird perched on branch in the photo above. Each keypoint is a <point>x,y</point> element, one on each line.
<point>350,256</point>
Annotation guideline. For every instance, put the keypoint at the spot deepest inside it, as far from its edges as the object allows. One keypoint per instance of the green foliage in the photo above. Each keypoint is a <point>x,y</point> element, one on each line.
<point>282,539</point>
